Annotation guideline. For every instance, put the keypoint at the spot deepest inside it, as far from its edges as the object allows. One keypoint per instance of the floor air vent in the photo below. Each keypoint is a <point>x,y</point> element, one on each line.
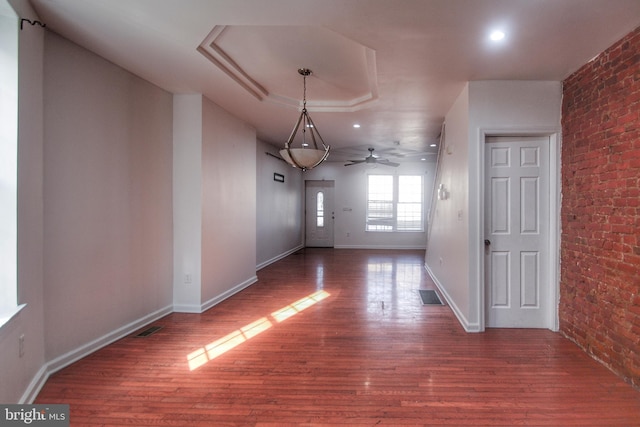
<point>429,297</point>
<point>148,331</point>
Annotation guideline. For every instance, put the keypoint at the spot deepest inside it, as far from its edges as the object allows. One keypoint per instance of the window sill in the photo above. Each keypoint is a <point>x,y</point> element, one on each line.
<point>6,318</point>
<point>394,231</point>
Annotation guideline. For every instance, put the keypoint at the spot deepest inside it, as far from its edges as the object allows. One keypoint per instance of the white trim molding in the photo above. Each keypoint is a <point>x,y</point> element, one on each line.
<point>70,357</point>
<point>409,247</point>
<point>477,275</point>
<point>228,294</point>
<point>468,326</point>
<point>278,257</point>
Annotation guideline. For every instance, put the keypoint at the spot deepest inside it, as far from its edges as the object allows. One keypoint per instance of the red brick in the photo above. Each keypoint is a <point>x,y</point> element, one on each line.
<point>600,245</point>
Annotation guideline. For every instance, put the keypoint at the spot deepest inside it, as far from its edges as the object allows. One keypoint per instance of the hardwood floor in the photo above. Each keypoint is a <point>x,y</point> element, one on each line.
<point>339,337</point>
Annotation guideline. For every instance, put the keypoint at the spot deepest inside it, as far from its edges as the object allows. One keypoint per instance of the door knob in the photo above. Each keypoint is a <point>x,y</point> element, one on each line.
<point>487,242</point>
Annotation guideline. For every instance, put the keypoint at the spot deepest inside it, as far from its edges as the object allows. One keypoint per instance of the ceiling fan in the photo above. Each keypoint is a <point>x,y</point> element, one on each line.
<point>373,159</point>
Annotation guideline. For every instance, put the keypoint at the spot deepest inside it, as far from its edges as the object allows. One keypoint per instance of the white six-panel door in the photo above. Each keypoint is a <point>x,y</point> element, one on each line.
<point>517,232</point>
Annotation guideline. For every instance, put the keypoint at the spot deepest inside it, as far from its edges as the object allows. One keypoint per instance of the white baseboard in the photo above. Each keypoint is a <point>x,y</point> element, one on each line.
<point>278,258</point>
<point>35,386</point>
<point>187,308</point>
<point>86,349</point>
<point>201,308</point>
<point>468,327</point>
<point>68,358</point>
<point>422,248</point>
<point>223,296</point>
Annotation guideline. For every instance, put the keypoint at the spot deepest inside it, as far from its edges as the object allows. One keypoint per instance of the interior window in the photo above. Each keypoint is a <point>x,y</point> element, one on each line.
<point>320,209</point>
<point>395,203</point>
<point>410,195</point>
<point>8,160</point>
<point>380,203</point>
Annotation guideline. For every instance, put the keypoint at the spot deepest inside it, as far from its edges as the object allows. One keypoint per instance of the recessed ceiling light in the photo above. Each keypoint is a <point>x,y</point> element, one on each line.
<point>496,35</point>
<point>423,159</point>
<point>356,125</point>
<point>432,145</point>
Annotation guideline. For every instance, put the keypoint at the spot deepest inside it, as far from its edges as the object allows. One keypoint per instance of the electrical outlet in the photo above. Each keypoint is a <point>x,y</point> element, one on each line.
<point>21,345</point>
<point>187,279</point>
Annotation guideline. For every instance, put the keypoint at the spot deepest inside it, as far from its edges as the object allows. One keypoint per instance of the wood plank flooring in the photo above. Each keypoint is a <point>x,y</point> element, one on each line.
<point>339,337</point>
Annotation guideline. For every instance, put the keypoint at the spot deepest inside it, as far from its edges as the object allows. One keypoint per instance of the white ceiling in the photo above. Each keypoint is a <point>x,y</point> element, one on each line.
<point>393,66</point>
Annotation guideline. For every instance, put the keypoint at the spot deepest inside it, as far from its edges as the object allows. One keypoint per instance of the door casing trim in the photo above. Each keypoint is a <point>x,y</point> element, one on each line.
<point>477,239</point>
<point>304,207</point>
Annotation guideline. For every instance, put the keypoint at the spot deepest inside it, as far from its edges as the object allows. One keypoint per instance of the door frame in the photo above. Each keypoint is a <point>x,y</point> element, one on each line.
<point>553,277</point>
<point>305,213</point>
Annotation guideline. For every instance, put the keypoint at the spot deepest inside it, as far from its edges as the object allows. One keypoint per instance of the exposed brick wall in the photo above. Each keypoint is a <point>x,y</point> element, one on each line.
<point>600,249</point>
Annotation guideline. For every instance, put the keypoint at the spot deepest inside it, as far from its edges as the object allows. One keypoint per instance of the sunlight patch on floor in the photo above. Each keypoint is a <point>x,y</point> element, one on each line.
<point>220,346</point>
<point>292,309</point>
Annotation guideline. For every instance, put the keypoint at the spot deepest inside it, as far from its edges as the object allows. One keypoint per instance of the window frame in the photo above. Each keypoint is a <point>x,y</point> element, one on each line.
<point>9,306</point>
<point>392,224</point>
<point>320,209</point>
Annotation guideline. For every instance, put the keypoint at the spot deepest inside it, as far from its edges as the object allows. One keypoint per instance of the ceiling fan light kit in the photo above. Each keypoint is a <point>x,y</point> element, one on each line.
<point>309,154</point>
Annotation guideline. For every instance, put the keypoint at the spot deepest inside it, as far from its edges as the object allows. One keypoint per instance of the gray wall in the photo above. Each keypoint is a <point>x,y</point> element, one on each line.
<point>351,204</point>
<point>107,197</point>
<point>279,207</point>
<point>17,373</point>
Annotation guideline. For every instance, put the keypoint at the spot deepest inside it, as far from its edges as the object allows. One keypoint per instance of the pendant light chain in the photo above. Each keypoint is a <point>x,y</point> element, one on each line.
<point>305,125</point>
<point>304,92</point>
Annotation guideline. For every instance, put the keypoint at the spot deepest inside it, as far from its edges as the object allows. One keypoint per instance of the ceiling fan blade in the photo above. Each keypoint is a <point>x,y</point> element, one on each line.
<point>354,162</point>
<point>388,163</point>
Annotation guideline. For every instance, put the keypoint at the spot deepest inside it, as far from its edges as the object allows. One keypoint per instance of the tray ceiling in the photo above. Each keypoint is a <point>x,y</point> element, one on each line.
<point>264,61</point>
<point>394,67</point>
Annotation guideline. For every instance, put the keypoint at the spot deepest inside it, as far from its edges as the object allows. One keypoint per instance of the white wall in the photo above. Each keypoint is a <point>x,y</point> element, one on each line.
<point>494,108</point>
<point>187,202</point>
<point>279,207</point>
<point>350,204</point>
<point>95,188</point>
<point>107,198</point>
<point>214,186</point>
<point>17,373</point>
<point>228,204</point>
<point>499,108</point>
<point>447,255</point>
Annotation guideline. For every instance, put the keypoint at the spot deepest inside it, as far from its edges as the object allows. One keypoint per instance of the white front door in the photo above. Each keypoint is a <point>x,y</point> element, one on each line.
<point>517,232</point>
<point>319,214</point>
